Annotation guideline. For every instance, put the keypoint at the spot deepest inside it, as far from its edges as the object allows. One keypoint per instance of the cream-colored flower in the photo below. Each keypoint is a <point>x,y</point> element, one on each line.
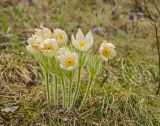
<point>34,39</point>
<point>81,42</point>
<point>33,48</point>
<point>107,50</point>
<point>68,61</point>
<point>49,47</point>
<point>34,43</point>
<point>43,32</point>
<point>61,51</point>
<point>60,36</point>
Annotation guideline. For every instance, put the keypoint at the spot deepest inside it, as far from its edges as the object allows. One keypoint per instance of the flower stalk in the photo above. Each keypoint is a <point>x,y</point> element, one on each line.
<point>47,87</point>
<point>77,87</point>
<point>56,92</point>
<point>69,93</point>
<point>64,93</point>
<point>87,94</point>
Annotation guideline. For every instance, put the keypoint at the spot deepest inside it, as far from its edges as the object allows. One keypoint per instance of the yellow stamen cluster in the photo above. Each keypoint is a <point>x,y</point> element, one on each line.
<point>69,62</point>
<point>106,52</point>
<point>82,43</point>
<point>59,37</point>
<point>48,47</point>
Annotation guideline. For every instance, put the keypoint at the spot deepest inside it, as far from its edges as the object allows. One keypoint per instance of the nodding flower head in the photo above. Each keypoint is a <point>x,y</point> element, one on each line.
<point>49,47</point>
<point>33,48</point>
<point>43,32</point>
<point>34,43</point>
<point>107,50</point>
<point>60,36</point>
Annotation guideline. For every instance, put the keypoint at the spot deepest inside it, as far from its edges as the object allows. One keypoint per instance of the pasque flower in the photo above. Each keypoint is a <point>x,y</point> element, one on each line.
<point>34,43</point>
<point>60,36</point>
<point>107,50</point>
<point>81,42</point>
<point>43,32</point>
<point>34,39</point>
<point>68,61</point>
<point>49,47</point>
<point>33,49</point>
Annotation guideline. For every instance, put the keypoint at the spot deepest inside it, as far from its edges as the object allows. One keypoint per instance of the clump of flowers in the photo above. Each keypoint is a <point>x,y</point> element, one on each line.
<point>64,62</point>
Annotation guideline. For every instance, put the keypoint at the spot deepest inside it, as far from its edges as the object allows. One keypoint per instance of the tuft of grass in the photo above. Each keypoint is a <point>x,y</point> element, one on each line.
<point>111,105</point>
<point>15,69</point>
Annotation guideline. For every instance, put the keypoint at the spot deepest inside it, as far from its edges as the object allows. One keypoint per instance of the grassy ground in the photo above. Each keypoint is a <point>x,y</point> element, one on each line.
<point>125,99</point>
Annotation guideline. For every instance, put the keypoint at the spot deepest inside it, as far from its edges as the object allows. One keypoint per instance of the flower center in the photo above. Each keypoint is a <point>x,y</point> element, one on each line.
<point>69,62</point>
<point>48,47</point>
<point>82,43</point>
<point>59,37</point>
<point>106,52</point>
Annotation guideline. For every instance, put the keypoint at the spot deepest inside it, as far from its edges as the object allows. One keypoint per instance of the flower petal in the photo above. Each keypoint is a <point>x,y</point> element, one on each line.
<point>79,35</point>
<point>89,37</point>
<point>109,44</point>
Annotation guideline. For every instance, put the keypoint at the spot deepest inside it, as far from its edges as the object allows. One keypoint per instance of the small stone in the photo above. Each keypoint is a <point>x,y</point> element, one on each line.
<point>10,109</point>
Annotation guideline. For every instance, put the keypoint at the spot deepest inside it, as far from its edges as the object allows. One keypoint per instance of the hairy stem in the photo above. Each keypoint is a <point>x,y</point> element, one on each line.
<point>64,93</point>
<point>77,87</point>
<point>47,87</point>
<point>87,94</point>
<point>69,93</point>
<point>56,92</point>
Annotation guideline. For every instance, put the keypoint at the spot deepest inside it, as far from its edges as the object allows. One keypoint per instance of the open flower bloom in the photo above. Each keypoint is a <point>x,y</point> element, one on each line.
<point>107,50</point>
<point>34,43</point>
<point>49,47</point>
<point>61,51</point>
<point>60,36</point>
<point>68,61</point>
<point>81,42</point>
<point>43,32</point>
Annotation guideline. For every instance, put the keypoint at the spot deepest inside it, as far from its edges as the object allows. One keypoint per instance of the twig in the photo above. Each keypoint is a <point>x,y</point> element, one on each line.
<point>156,26</point>
<point>158,48</point>
<point>156,6</point>
<point>104,80</point>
